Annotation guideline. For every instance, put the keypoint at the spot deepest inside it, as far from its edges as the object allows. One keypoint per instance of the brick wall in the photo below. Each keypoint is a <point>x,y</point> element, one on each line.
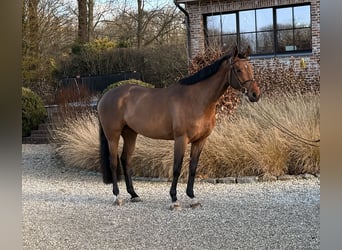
<point>197,9</point>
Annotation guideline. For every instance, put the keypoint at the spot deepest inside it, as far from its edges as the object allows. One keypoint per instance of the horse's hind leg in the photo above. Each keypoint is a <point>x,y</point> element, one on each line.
<point>129,137</point>
<point>114,164</point>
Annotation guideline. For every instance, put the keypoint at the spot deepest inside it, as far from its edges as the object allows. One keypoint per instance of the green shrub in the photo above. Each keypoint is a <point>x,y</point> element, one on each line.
<point>130,81</point>
<point>33,111</point>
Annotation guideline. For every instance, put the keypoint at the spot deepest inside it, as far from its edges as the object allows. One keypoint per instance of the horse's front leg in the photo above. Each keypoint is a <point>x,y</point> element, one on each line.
<point>196,149</point>
<point>179,150</point>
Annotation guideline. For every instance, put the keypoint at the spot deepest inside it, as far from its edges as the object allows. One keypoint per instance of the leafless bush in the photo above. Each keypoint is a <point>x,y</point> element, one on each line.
<point>72,101</point>
<point>276,77</point>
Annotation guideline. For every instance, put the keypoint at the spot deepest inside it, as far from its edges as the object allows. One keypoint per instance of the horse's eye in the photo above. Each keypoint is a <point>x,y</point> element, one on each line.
<point>238,70</point>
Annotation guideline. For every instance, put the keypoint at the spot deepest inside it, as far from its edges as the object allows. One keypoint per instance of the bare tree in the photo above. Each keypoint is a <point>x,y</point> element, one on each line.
<point>142,24</point>
<point>30,26</point>
<point>47,32</point>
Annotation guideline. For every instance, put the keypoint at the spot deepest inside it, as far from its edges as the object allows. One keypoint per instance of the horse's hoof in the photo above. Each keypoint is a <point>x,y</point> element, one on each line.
<point>136,199</point>
<point>175,206</point>
<point>118,201</point>
<point>195,203</point>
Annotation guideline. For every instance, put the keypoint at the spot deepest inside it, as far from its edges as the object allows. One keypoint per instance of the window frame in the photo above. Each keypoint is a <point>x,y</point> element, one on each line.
<point>275,30</point>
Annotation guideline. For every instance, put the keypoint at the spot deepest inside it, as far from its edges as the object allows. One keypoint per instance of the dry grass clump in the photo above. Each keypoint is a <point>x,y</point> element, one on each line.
<point>245,143</point>
<point>77,141</point>
<point>249,144</point>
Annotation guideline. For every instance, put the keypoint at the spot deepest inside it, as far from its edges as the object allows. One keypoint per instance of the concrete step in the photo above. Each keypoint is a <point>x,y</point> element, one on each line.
<point>35,140</point>
<point>39,136</point>
<point>45,126</point>
<point>40,132</point>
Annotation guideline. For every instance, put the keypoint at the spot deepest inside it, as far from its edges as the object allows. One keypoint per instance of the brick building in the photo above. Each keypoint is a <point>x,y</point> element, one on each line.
<point>272,28</point>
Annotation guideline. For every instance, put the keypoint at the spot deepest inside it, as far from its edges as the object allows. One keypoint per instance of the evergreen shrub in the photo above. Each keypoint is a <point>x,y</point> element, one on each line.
<point>130,81</point>
<point>33,111</point>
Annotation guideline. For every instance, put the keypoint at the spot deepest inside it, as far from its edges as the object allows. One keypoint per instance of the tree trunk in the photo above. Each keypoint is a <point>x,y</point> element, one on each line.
<point>33,43</point>
<point>140,23</point>
<point>82,21</point>
<point>90,20</point>
<point>30,42</point>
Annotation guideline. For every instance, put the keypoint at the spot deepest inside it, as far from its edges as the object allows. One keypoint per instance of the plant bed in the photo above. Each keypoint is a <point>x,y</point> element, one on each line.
<point>243,144</point>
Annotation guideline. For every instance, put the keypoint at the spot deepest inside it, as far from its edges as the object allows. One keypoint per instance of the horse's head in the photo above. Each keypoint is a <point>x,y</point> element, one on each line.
<point>241,76</point>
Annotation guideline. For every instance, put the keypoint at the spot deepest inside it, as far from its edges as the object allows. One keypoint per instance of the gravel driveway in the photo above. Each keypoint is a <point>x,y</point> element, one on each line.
<point>64,208</point>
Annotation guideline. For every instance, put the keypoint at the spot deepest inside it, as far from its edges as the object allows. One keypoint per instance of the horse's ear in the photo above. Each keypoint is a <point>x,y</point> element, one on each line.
<point>247,52</point>
<point>235,51</point>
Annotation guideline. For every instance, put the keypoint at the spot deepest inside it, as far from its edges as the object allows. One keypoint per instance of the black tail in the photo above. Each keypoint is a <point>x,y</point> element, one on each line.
<point>105,160</point>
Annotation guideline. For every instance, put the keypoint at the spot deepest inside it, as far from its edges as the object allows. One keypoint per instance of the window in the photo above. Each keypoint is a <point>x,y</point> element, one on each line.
<point>276,30</point>
<point>221,29</point>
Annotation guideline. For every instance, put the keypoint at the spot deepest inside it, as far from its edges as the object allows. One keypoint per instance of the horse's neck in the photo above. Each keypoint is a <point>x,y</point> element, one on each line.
<point>212,88</point>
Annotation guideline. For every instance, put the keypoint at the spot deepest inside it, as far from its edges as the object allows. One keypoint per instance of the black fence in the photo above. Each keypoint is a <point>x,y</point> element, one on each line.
<point>98,83</point>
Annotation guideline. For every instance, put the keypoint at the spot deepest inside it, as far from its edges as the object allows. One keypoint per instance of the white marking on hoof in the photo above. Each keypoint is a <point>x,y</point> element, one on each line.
<point>175,206</point>
<point>118,201</point>
<point>136,199</point>
<point>195,203</point>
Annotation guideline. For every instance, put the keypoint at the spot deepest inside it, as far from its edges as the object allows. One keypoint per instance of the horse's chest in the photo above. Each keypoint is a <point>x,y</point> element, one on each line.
<point>201,128</point>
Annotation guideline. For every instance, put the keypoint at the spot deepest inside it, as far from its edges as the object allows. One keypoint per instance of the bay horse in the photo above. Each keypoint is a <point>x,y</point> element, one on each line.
<point>183,112</point>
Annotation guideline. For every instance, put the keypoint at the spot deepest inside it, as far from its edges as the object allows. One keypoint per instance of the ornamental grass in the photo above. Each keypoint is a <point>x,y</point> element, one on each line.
<point>243,144</point>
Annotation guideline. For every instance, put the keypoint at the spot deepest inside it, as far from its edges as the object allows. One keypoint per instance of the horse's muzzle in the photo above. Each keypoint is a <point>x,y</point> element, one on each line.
<point>253,92</point>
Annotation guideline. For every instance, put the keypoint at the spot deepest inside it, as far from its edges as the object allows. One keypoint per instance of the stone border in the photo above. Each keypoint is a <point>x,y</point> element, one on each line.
<point>236,180</point>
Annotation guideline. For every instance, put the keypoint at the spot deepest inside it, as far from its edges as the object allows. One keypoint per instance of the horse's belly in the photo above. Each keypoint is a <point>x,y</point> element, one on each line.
<point>151,127</point>
<point>147,113</point>
<point>160,136</point>
<point>154,133</point>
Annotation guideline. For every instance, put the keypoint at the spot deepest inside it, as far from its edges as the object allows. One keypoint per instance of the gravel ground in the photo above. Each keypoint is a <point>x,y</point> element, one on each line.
<point>65,208</point>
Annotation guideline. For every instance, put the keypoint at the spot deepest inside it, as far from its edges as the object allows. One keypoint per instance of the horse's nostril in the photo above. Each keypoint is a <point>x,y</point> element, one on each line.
<point>254,95</point>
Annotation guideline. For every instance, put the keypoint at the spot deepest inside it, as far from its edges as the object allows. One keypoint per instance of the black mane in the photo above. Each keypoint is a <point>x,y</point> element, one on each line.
<point>203,73</point>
